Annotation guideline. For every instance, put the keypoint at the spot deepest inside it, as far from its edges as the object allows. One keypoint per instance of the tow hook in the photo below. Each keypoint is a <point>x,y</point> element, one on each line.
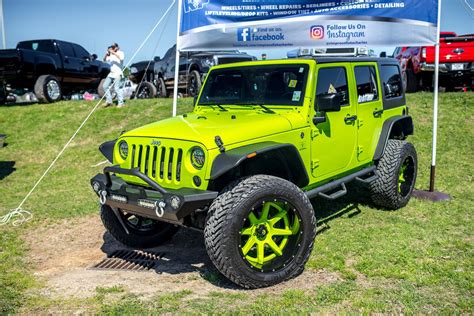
<point>102,197</point>
<point>160,208</point>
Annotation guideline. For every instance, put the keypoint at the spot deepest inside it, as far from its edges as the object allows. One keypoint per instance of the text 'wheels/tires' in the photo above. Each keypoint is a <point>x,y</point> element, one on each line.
<point>194,83</point>
<point>260,231</point>
<point>146,90</point>
<point>142,232</point>
<point>396,170</point>
<point>47,89</point>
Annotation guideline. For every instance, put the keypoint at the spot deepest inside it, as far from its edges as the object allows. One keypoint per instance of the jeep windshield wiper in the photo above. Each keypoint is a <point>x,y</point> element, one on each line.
<point>267,110</point>
<point>216,104</point>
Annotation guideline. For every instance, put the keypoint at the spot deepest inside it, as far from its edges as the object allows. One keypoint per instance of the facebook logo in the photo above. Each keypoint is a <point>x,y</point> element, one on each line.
<point>243,34</point>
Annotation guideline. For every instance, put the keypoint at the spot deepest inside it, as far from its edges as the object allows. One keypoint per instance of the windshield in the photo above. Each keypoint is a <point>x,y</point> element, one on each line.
<point>265,85</point>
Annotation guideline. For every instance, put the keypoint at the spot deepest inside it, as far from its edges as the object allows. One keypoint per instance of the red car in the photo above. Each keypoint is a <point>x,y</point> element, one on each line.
<point>456,63</point>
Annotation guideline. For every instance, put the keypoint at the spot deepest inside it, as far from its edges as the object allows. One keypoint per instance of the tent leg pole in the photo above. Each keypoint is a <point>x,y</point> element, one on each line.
<point>176,64</point>
<point>433,195</point>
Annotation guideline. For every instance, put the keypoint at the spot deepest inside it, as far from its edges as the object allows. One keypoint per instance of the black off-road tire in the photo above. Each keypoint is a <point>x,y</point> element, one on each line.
<point>161,91</point>
<point>146,90</point>
<point>100,88</point>
<point>41,89</point>
<point>225,218</point>
<point>412,82</point>
<point>385,189</point>
<point>194,83</point>
<point>160,233</point>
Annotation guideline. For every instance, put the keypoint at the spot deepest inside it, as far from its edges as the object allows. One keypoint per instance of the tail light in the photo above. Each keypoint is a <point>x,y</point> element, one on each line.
<point>423,53</point>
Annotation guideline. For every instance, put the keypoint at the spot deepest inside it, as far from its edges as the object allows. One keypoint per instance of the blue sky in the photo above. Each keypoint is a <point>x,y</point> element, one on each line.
<point>95,24</point>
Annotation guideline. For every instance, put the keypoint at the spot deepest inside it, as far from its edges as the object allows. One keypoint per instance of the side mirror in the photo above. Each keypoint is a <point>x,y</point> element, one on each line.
<point>195,100</point>
<point>383,55</point>
<point>329,102</point>
<point>157,58</point>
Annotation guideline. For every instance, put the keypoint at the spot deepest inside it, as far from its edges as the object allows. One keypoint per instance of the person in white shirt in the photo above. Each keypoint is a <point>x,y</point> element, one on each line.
<point>114,57</point>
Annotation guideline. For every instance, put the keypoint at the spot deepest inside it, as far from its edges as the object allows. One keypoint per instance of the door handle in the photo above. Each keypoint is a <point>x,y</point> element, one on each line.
<point>350,119</point>
<point>378,113</point>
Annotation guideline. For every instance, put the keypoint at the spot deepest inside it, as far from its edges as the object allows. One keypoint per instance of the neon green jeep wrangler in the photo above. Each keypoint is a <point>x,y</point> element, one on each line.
<point>264,138</point>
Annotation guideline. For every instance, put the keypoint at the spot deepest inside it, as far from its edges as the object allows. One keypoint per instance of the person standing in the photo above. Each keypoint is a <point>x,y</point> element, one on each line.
<point>114,57</point>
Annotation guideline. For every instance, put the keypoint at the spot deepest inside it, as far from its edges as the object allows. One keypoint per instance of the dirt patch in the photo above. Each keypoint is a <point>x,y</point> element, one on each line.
<point>63,253</point>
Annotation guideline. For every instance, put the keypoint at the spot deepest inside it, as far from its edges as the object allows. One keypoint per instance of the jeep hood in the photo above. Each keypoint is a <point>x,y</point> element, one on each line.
<point>233,127</point>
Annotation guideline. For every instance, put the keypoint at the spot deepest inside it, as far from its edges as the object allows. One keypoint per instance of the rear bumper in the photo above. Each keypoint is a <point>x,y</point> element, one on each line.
<point>172,205</point>
<point>447,71</point>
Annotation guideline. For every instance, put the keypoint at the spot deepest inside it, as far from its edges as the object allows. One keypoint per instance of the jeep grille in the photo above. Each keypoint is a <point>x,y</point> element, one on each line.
<point>158,162</point>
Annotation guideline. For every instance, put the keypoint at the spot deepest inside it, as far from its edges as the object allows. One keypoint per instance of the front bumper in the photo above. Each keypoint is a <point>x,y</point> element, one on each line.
<point>155,202</point>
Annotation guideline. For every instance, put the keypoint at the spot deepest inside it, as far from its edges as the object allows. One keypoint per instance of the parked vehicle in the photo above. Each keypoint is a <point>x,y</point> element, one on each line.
<point>456,63</point>
<point>263,139</point>
<point>331,52</point>
<point>193,66</point>
<point>50,68</point>
<point>141,74</point>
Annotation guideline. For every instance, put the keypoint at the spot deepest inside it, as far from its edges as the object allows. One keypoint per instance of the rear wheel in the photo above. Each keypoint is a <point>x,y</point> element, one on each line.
<point>260,231</point>
<point>146,90</point>
<point>47,89</point>
<point>142,232</point>
<point>396,170</point>
<point>411,81</point>
<point>161,91</point>
<point>194,83</point>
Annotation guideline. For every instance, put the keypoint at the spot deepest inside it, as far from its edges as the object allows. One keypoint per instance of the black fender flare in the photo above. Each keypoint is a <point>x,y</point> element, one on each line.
<point>234,158</point>
<point>107,149</point>
<point>398,127</point>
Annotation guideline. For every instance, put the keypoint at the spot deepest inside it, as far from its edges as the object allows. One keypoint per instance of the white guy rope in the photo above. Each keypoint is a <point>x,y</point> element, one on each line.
<point>151,59</point>
<point>469,7</point>
<point>24,215</point>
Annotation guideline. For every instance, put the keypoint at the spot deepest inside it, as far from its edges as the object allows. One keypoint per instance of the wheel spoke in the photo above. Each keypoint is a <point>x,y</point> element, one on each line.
<point>260,252</point>
<point>275,247</point>
<point>277,217</point>
<point>281,232</point>
<point>295,228</point>
<point>253,219</point>
<point>246,231</point>
<point>248,245</point>
<point>265,210</point>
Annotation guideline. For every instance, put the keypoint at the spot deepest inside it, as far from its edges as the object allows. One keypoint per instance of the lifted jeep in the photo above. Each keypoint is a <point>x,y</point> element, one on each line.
<point>264,138</point>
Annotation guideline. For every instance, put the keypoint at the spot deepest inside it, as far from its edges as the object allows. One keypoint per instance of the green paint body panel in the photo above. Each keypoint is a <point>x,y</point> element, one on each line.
<point>328,150</point>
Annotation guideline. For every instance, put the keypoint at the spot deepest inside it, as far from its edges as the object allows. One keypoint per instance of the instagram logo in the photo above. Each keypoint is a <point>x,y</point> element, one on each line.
<point>317,32</point>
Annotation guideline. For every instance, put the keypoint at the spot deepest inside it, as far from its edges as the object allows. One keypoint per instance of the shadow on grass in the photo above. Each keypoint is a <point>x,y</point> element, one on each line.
<point>186,252</point>
<point>6,169</point>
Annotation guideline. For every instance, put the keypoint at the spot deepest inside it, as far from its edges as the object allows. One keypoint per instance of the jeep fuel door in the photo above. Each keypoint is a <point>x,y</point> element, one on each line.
<point>333,141</point>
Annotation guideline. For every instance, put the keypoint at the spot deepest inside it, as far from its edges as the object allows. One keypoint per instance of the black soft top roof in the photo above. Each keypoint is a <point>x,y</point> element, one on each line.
<point>325,60</point>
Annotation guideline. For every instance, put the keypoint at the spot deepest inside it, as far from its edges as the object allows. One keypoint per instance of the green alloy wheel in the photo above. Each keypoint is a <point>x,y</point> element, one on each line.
<point>270,235</point>
<point>260,231</point>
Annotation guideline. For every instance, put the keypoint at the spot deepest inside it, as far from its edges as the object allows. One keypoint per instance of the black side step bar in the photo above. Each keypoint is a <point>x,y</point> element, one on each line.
<point>340,183</point>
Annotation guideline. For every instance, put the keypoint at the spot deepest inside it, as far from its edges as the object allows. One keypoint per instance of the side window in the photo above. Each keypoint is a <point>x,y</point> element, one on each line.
<point>391,81</point>
<point>366,80</point>
<point>67,50</point>
<point>81,52</point>
<point>333,80</point>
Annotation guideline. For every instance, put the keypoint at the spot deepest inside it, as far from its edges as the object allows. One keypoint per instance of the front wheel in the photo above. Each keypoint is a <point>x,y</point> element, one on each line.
<point>194,83</point>
<point>47,89</point>
<point>260,231</point>
<point>142,232</point>
<point>146,90</point>
<point>396,175</point>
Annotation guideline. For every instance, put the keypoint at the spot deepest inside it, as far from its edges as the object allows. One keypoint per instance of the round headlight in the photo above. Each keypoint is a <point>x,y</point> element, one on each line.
<point>123,149</point>
<point>197,157</point>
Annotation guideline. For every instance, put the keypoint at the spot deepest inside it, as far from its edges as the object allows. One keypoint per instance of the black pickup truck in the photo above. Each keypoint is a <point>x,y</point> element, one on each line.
<point>193,66</point>
<point>50,68</point>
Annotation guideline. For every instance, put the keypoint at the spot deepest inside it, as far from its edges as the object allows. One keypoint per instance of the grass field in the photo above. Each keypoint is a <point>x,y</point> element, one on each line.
<point>416,260</point>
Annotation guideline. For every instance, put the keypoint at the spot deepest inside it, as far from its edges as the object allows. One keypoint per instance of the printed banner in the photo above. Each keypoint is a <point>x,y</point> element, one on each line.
<point>247,24</point>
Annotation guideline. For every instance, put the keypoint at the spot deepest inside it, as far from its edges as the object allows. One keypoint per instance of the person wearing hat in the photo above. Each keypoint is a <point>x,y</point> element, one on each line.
<point>114,57</point>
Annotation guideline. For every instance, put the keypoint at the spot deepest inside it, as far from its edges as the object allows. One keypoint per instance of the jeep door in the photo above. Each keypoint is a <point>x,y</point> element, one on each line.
<point>369,109</point>
<point>333,147</point>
